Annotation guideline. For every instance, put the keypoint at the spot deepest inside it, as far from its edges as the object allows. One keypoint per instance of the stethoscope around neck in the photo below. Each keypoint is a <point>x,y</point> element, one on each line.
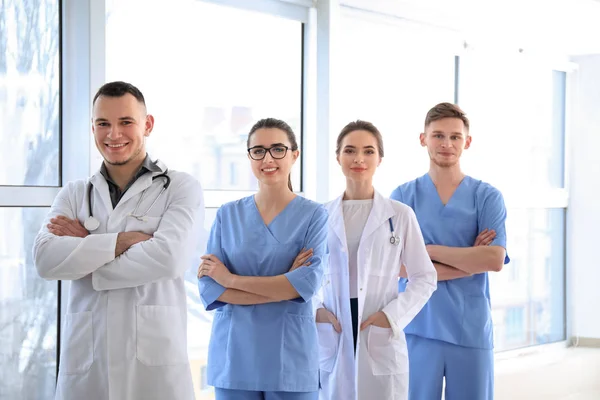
<point>91,223</point>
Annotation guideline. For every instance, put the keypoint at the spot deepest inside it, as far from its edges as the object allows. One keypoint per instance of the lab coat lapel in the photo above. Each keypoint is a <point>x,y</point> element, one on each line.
<point>101,189</point>
<point>380,213</point>
<point>143,183</point>
<point>138,186</point>
<point>336,218</point>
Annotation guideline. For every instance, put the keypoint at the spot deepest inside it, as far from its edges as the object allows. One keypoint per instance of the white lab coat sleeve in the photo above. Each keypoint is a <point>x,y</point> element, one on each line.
<point>168,253</point>
<point>65,257</point>
<point>308,280</point>
<point>422,277</point>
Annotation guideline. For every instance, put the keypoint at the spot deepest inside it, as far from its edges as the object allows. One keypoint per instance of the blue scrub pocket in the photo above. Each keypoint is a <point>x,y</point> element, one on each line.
<point>219,341</point>
<point>477,323</point>
<point>300,348</point>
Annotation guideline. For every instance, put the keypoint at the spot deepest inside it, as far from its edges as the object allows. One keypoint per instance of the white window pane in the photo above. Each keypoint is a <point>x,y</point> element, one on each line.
<point>528,295</point>
<point>29,93</point>
<point>387,78</point>
<point>208,73</point>
<point>28,308</point>
<point>517,113</point>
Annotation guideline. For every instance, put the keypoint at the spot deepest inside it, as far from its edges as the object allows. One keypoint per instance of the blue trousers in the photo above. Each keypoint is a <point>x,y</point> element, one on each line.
<point>469,372</point>
<point>232,394</point>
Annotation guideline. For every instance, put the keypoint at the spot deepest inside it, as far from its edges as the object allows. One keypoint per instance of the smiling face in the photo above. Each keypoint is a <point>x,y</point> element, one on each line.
<point>445,140</point>
<point>120,126</point>
<point>359,156</point>
<point>275,167</point>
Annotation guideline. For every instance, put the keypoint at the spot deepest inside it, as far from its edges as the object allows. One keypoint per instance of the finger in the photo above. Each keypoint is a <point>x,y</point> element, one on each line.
<point>63,218</point>
<point>336,325</point>
<point>56,230</point>
<point>303,259</point>
<point>365,324</point>
<point>207,257</point>
<point>60,221</point>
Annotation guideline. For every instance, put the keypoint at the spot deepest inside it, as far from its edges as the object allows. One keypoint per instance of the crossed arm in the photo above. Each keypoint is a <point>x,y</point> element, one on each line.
<point>249,290</point>
<point>460,262</point>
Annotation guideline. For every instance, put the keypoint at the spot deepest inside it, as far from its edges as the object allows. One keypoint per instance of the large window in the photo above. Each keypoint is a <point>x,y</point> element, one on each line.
<point>389,75</point>
<point>29,176</point>
<point>528,295</point>
<point>27,310</point>
<point>208,74</point>
<point>517,111</point>
<point>29,96</point>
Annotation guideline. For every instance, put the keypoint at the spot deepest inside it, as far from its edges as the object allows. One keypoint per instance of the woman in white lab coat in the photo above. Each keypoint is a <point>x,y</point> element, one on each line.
<point>360,314</point>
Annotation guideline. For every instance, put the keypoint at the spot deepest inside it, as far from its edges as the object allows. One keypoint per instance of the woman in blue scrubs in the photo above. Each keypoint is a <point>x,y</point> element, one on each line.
<point>264,264</point>
<point>462,220</point>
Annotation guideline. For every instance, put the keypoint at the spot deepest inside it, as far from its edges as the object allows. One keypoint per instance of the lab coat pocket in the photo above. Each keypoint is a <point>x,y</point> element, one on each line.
<point>77,353</point>
<point>147,225</point>
<point>161,336</point>
<point>388,356</point>
<point>328,345</point>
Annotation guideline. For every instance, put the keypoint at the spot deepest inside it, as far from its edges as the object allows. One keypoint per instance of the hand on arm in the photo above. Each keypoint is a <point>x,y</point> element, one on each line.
<point>127,239</point>
<point>63,226</point>
<point>63,249</point>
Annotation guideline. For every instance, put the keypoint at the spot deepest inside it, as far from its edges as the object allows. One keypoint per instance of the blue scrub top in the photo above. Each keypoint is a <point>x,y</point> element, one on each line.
<point>266,347</point>
<point>459,311</point>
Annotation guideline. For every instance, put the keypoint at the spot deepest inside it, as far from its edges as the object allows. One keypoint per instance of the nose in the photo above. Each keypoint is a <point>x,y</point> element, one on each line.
<point>114,133</point>
<point>268,158</point>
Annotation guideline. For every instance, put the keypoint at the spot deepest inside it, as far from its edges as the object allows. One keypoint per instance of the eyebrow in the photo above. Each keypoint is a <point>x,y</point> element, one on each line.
<point>120,119</point>
<point>272,145</point>
<point>353,147</point>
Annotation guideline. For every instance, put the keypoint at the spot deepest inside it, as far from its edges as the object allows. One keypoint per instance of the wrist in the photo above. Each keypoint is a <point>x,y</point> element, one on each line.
<point>231,282</point>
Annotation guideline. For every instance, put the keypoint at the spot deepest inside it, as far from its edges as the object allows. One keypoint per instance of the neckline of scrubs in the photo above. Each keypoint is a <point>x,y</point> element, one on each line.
<point>437,194</point>
<point>260,218</point>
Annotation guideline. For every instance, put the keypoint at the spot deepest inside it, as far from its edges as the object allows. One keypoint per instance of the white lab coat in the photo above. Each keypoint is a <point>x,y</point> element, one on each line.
<point>380,368</point>
<point>124,335</point>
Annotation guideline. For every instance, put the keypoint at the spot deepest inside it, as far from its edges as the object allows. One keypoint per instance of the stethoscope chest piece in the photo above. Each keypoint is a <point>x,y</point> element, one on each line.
<point>91,223</point>
<point>394,239</point>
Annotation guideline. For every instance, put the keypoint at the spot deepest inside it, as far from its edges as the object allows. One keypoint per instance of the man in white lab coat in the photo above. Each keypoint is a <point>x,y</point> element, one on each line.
<point>124,238</point>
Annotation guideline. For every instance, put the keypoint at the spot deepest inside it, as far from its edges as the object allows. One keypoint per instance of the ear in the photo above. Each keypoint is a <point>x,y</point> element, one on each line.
<point>380,160</point>
<point>295,155</point>
<point>422,138</point>
<point>468,142</point>
<point>149,125</point>
<point>337,157</point>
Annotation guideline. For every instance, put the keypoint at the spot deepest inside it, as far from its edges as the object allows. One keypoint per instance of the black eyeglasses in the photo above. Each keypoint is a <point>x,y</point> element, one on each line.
<point>259,152</point>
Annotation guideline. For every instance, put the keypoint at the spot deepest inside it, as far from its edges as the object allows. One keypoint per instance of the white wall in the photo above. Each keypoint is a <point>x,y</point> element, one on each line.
<point>583,261</point>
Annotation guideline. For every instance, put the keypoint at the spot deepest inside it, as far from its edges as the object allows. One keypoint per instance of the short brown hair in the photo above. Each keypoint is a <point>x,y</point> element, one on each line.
<point>360,125</point>
<point>446,110</point>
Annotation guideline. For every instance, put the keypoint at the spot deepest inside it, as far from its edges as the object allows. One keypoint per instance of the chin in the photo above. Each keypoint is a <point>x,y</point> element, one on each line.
<point>445,164</point>
<point>117,162</point>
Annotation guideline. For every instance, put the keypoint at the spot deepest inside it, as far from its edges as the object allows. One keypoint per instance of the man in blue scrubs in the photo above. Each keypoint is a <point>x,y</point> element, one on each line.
<point>462,220</point>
